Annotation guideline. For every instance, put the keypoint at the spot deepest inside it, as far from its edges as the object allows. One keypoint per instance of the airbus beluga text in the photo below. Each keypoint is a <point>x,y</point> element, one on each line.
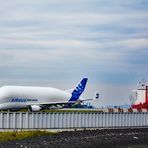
<point>37,98</point>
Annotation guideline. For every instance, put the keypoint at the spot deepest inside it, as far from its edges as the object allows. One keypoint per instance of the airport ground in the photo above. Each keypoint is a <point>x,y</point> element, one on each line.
<point>100,138</point>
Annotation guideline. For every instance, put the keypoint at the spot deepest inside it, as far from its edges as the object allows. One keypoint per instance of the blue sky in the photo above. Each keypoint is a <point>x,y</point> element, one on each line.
<point>56,43</point>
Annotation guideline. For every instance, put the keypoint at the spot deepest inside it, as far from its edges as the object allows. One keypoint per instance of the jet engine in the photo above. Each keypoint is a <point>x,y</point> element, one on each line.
<point>33,108</point>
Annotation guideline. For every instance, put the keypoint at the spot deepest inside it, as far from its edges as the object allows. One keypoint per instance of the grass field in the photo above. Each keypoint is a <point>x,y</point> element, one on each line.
<point>14,135</point>
<point>63,110</point>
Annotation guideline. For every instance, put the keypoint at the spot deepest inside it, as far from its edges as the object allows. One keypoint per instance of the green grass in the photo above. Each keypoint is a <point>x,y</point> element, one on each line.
<point>61,111</point>
<point>70,110</point>
<point>15,135</point>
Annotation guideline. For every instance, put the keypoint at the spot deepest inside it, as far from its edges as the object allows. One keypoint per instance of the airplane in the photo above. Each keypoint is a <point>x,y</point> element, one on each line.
<point>14,98</point>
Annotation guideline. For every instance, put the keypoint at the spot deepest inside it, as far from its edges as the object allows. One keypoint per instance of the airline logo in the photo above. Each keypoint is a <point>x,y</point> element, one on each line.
<point>80,88</point>
<point>24,100</point>
<point>97,96</point>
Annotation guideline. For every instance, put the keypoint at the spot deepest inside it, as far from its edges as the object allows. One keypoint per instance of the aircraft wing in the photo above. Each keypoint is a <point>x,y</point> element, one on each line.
<point>48,105</point>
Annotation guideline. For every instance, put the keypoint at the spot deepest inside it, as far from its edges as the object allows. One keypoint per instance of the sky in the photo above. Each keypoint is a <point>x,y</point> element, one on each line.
<point>57,43</point>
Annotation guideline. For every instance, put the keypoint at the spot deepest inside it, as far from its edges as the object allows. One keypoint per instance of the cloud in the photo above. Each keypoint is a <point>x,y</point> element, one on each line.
<point>105,40</point>
<point>136,44</point>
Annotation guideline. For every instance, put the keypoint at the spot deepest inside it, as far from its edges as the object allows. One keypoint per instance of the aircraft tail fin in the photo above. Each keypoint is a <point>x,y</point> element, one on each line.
<point>78,90</point>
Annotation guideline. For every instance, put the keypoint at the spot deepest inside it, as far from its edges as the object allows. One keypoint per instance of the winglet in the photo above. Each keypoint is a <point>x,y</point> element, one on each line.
<point>96,96</point>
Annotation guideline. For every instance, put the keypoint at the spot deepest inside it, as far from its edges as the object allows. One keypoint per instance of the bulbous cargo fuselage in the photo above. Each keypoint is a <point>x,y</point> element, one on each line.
<point>36,98</point>
<point>23,96</point>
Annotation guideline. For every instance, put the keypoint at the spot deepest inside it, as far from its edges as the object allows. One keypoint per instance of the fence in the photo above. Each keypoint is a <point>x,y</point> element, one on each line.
<point>67,120</point>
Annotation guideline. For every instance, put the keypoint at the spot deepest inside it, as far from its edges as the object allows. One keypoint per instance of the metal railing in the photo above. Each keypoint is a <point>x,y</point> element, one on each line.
<point>68,120</point>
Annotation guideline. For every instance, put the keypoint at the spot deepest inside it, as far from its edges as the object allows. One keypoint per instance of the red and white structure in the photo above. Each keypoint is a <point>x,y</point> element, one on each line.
<point>141,96</point>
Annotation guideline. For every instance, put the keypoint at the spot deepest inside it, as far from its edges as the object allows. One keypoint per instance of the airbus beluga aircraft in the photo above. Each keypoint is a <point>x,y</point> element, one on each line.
<point>37,98</point>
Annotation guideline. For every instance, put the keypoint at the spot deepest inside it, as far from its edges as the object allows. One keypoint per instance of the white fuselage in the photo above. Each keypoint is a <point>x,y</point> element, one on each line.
<point>23,96</point>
